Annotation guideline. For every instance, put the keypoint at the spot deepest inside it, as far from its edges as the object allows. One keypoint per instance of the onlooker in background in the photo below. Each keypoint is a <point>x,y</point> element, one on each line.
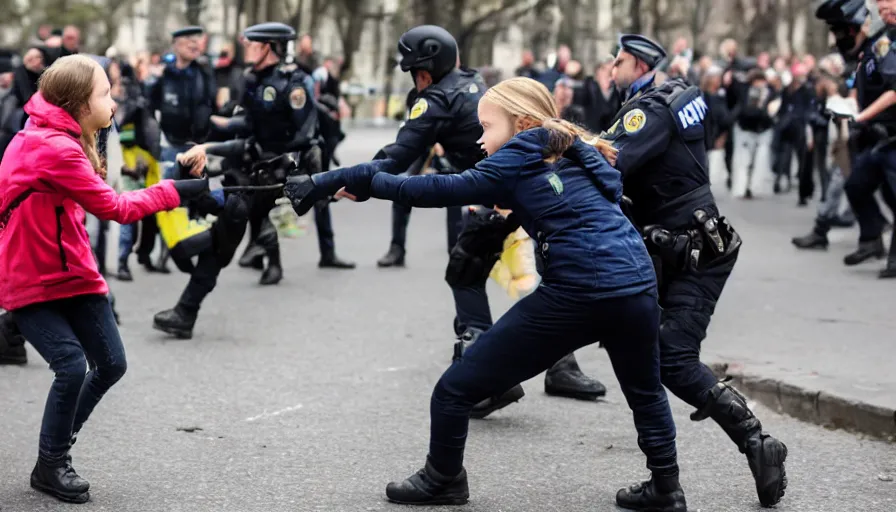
<point>752,135</point>
<point>793,116</point>
<point>307,58</point>
<point>599,98</point>
<point>563,95</point>
<point>527,66</point>
<point>556,71</point>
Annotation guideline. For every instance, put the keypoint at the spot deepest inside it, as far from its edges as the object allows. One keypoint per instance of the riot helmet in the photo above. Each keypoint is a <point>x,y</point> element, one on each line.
<point>429,48</point>
<point>844,19</point>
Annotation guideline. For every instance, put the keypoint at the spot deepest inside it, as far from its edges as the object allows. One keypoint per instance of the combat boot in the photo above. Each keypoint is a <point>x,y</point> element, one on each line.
<point>429,487</point>
<point>124,273</point>
<point>866,251</point>
<point>330,260</point>
<point>492,404</point>
<point>12,343</point>
<point>813,240</point>
<point>253,257</point>
<point>274,273</point>
<point>60,481</point>
<point>393,258</point>
<point>765,454</point>
<point>177,322</point>
<point>566,379</point>
<point>889,271</point>
<point>659,494</point>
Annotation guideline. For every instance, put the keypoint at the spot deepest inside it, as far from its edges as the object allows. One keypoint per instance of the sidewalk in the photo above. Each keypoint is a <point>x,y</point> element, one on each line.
<point>801,332</point>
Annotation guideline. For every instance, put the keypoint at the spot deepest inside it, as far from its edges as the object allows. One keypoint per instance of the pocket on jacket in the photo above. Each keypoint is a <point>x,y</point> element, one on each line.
<point>56,278</point>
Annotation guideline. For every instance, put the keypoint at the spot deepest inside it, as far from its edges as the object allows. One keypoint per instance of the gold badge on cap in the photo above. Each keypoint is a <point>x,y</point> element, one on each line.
<point>297,98</point>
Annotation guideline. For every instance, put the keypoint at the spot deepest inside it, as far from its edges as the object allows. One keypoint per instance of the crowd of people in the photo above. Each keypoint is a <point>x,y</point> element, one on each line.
<point>125,142</point>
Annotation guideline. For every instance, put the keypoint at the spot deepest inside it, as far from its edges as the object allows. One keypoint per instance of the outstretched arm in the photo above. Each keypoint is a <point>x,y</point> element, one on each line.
<point>484,184</point>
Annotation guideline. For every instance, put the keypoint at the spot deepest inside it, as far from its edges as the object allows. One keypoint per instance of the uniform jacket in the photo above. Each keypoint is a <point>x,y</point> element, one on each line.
<point>570,207</point>
<point>46,184</point>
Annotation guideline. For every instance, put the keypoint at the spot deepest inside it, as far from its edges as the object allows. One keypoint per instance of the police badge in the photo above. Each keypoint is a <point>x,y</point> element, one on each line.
<point>882,47</point>
<point>297,98</point>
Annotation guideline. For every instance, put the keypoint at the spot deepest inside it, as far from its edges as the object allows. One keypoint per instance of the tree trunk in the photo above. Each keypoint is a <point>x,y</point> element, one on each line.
<point>634,17</point>
<point>193,11</point>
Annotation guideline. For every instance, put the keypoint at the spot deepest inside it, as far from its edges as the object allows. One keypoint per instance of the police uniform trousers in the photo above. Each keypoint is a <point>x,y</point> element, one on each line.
<point>535,333</point>
<point>401,216</point>
<point>871,170</point>
<point>470,302</point>
<point>688,300</point>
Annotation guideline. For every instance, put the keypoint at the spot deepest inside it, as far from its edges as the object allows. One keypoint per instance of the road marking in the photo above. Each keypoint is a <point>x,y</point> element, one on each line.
<point>275,413</point>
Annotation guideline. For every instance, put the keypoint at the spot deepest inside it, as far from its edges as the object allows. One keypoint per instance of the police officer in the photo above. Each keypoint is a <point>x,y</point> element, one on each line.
<point>659,133</point>
<point>185,97</point>
<point>280,117</point>
<point>445,112</point>
<point>874,160</point>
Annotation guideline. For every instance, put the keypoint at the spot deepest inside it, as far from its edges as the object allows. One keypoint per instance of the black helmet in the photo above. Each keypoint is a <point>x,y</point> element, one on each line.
<point>842,12</point>
<point>278,35</point>
<point>429,48</point>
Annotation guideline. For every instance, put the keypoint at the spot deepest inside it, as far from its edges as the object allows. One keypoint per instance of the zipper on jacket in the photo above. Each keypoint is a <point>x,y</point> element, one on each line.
<point>59,212</point>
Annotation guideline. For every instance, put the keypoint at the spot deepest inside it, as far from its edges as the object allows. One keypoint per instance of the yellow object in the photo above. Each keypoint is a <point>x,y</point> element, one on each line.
<point>419,109</point>
<point>515,271</point>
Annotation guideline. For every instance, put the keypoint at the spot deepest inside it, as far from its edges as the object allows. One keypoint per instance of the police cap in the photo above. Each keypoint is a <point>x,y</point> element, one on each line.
<point>851,12</point>
<point>271,32</point>
<point>430,48</point>
<point>643,49</point>
<point>186,32</point>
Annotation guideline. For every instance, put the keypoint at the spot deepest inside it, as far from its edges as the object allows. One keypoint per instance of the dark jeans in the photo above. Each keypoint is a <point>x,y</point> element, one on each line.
<point>70,334</point>
<point>870,171</point>
<point>202,281</point>
<point>688,301</point>
<point>148,231</point>
<point>401,216</point>
<point>534,334</point>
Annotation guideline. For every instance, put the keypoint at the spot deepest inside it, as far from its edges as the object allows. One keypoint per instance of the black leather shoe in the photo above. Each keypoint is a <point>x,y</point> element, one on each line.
<point>124,273</point>
<point>490,405</point>
<point>271,275</point>
<point>393,258</point>
<point>333,261</point>
<point>889,272</point>
<point>811,241</point>
<point>60,481</point>
<point>865,252</point>
<point>429,487</point>
<point>13,354</point>
<point>253,257</point>
<point>175,322</point>
<point>151,267</point>
<point>654,495</point>
<point>566,379</point>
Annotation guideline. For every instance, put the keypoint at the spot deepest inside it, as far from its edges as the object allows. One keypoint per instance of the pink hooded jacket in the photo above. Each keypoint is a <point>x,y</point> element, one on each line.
<point>46,183</point>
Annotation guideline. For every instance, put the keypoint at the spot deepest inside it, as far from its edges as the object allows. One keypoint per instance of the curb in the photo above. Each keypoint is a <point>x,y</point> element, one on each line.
<point>812,406</point>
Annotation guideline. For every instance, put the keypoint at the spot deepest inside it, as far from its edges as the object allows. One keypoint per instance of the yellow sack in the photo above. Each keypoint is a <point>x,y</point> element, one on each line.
<point>515,271</point>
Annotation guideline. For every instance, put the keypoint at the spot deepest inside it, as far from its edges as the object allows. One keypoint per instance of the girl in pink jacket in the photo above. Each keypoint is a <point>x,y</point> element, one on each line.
<point>50,174</point>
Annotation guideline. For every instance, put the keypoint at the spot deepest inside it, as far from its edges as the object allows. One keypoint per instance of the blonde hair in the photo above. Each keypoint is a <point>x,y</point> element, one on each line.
<point>530,102</point>
<point>68,84</point>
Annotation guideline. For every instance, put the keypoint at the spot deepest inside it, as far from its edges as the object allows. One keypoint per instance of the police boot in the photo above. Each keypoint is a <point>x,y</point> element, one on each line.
<point>765,454</point>
<point>253,257</point>
<point>393,258</point>
<point>12,343</point>
<point>565,378</point>
<point>60,480</point>
<point>330,260</point>
<point>124,273</point>
<point>177,322</point>
<point>866,251</point>
<point>162,265</point>
<point>148,264</point>
<point>813,240</point>
<point>889,271</point>
<point>274,273</point>
<point>429,487</point>
<point>659,494</point>
<point>492,404</point>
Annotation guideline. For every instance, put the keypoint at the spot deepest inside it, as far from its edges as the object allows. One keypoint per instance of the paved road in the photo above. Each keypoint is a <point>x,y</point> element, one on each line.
<point>312,395</point>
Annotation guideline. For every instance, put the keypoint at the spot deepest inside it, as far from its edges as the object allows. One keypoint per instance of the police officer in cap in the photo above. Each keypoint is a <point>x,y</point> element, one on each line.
<point>659,134</point>
<point>872,131</point>
<point>445,112</point>
<point>185,97</point>
<point>280,121</point>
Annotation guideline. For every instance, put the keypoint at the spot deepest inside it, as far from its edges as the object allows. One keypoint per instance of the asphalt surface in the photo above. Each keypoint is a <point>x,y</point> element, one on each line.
<point>313,394</point>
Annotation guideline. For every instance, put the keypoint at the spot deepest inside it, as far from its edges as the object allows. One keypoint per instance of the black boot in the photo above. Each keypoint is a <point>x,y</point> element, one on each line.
<point>274,273</point>
<point>765,454</point>
<point>253,257</point>
<point>60,481</point>
<point>429,487</point>
<point>12,343</point>
<point>330,260</point>
<point>492,404</point>
<point>889,272</point>
<point>659,494</point>
<point>124,273</point>
<point>161,266</point>
<point>813,240</point>
<point>565,378</point>
<point>866,251</point>
<point>177,322</point>
<point>393,258</point>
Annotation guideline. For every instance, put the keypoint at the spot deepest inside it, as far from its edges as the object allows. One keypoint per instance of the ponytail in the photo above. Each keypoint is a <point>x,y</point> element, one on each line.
<point>562,135</point>
<point>88,144</point>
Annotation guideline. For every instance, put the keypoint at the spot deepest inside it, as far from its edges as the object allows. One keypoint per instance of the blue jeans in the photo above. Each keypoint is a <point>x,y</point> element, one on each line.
<point>70,334</point>
<point>533,335</point>
<point>126,238</point>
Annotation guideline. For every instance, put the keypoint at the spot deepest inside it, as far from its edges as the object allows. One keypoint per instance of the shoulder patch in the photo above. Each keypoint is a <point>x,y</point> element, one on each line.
<point>634,120</point>
<point>419,108</point>
<point>269,94</point>
<point>556,183</point>
<point>882,46</point>
<point>474,88</point>
<point>297,98</point>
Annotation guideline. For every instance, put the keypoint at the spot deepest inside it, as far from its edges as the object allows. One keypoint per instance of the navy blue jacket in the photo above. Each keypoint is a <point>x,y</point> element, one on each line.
<point>570,207</point>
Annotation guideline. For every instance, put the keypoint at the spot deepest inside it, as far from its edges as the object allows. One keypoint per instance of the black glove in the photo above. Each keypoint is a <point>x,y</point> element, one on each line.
<point>302,193</point>
<point>479,246</point>
<point>191,189</point>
